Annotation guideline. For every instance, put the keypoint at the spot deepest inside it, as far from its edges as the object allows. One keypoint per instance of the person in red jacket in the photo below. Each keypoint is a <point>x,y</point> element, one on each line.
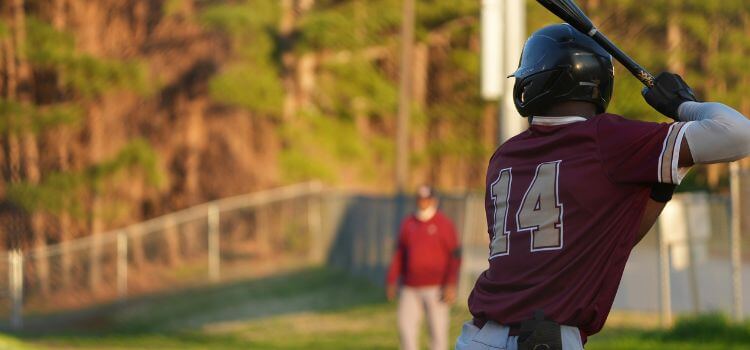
<point>426,262</point>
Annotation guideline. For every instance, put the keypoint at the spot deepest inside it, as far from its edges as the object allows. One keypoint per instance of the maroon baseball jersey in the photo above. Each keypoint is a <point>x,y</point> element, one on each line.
<point>564,202</point>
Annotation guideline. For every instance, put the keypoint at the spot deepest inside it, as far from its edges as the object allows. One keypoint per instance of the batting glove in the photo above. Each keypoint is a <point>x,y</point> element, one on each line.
<point>668,93</point>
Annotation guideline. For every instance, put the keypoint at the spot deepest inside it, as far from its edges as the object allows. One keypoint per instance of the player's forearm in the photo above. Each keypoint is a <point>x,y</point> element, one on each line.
<point>717,133</point>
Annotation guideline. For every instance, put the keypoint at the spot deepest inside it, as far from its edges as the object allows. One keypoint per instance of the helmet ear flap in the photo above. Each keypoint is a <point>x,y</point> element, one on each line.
<point>532,92</point>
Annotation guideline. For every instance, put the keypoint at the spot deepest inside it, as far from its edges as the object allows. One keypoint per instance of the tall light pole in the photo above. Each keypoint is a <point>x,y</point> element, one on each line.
<point>404,97</point>
<point>503,34</point>
<point>492,50</point>
<point>735,239</point>
<point>514,36</point>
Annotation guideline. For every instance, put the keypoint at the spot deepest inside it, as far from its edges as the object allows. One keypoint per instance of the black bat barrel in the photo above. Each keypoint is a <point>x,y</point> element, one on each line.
<point>639,72</point>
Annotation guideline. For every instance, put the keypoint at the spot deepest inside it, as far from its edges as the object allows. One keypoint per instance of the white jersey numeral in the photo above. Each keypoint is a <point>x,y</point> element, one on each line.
<point>540,211</point>
<point>500,194</point>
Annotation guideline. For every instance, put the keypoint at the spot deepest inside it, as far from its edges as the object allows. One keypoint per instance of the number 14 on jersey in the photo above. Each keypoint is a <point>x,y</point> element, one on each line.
<point>540,212</point>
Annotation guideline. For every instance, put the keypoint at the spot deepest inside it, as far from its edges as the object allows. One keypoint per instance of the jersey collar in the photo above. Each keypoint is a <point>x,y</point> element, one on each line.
<point>557,120</point>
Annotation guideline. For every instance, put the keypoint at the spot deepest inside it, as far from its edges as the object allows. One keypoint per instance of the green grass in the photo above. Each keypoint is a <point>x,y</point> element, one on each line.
<point>7,342</point>
<point>710,331</point>
<point>312,309</point>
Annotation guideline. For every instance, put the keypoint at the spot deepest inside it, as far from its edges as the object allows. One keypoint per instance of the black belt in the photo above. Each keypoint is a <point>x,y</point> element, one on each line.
<point>534,334</point>
<point>514,329</point>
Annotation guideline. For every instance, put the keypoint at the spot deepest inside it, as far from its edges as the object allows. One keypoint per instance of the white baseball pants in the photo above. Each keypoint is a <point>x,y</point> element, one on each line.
<point>413,302</point>
<point>496,337</point>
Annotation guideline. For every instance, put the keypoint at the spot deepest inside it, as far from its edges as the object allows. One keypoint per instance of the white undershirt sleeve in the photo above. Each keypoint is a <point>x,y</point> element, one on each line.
<point>715,133</point>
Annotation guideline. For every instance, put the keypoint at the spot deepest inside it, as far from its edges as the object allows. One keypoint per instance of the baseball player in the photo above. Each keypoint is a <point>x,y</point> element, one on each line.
<point>567,199</point>
<point>426,262</point>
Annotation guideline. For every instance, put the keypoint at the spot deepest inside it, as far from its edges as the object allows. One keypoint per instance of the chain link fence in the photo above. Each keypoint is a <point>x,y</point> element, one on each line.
<point>684,265</point>
<point>236,237</point>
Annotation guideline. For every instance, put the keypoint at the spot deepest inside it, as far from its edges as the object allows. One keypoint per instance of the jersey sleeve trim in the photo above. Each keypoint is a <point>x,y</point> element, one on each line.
<point>669,171</point>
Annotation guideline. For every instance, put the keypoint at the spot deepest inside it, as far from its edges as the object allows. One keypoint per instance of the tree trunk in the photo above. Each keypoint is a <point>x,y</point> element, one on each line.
<point>13,146</point>
<point>10,145</point>
<point>714,171</point>
<point>58,14</point>
<point>195,143</point>
<point>489,134</point>
<point>745,163</point>
<point>295,88</point>
<point>286,30</point>
<point>420,74</point>
<point>66,258</point>
<point>30,151</point>
<point>306,79</point>
<point>135,246</point>
<point>419,139</point>
<point>64,219</point>
<point>57,17</point>
<point>745,195</point>
<point>675,61</point>
<point>745,105</point>
<point>592,7</point>
<point>96,223</point>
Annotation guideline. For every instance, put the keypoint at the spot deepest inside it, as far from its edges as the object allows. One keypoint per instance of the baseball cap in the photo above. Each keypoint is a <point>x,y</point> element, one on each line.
<point>425,191</point>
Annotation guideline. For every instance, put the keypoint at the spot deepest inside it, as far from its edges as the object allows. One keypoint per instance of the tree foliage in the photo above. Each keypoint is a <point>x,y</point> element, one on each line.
<point>349,25</point>
<point>73,79</point>
<point>65,191</point>
<point>252,80</point>
<point>81,73</point>
<point>16,117</point>
<point>320,83</point>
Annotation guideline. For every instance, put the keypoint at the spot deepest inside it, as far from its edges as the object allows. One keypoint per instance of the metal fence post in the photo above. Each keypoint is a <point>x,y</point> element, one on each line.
<point>735,241</point>
<point>464,281</point>
<point>214,255</point>
<point>665,295</point>
<point>122,265</point>
<point>15,262</point>
<point>695,297</point>
<point>314,222</point>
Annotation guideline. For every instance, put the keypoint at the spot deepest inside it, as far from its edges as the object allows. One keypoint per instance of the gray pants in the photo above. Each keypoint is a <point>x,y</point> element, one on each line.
<point>413,302</point>
<point>494,336</point>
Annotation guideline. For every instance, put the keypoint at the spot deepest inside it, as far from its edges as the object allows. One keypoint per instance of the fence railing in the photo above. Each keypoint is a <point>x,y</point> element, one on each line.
<point>690,263</point>
<point>684,265</point>
<point>228,238</point>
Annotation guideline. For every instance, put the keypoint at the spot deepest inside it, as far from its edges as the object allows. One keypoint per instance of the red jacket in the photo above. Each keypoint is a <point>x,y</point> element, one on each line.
<point>427,253</point>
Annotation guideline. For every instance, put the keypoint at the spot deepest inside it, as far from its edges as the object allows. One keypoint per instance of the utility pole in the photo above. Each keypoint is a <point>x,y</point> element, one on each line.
<point>503,35</point>
<point>404,98</point>
<point>735,239</point>
<point>514,35</point>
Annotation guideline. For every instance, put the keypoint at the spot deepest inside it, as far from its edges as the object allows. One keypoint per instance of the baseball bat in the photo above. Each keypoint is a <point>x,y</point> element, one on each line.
<point>569,12</point>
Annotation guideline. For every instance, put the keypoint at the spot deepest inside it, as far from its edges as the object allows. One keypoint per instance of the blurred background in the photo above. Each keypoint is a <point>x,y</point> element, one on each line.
<point>201,174</point>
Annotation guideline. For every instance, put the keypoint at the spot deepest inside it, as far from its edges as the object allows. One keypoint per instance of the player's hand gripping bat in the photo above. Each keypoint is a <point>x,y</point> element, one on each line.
<point>569,12</point>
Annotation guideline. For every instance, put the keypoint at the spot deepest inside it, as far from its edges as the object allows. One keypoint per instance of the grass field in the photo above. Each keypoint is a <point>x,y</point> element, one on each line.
<point>315,309</point>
